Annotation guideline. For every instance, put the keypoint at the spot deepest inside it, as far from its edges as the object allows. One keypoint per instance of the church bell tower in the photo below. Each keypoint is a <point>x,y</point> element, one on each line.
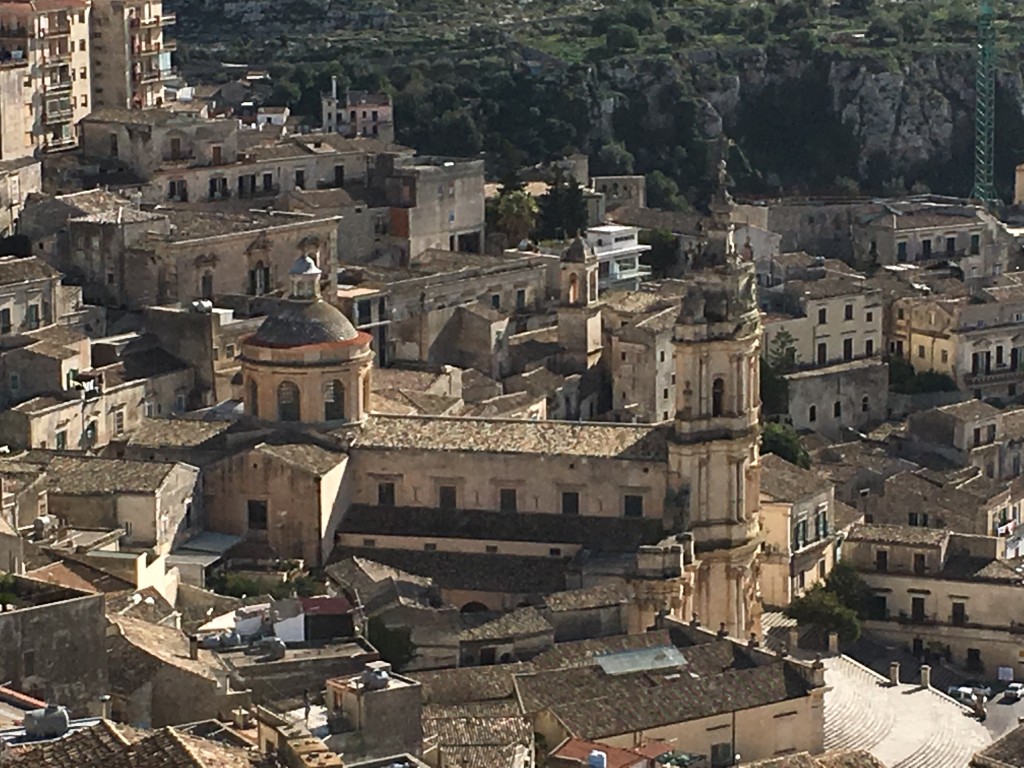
<point>713,451</point>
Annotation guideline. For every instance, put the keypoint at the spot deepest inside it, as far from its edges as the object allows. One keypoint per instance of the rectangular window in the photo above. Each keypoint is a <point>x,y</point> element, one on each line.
<point>492,549</point>
<point>496,300</point>
<point>945,355</point>
<point>869,347</point>
<point>848,312</point>
<point>570,503</point>
<point>920,351</point>
<point>257,513</point>
<point>386,494</point>
<point>837,409</point>
<point>447,498</point>
<point>633,505</point>
<point>822,353</point>
<point>917,607</point>
<point>722,755</point>
<point>975,245</point>
<point>882,561</point>
<point>901,252</point>
<point>62,440</point>
<point>555,552</point>
<point>369,542</point>
<point>15,382</point>
<point>847,349</point>
<point>300,179</point>
<point>869,316</point>
<point>119,422</point>
<point>926,249</point>
<point>520,299</point>
<point>430,547</point>
<point>32,316</point>
<point>507,500</point>
<point>5,321</point>
<point>959,614</point>
<point>822,315</point>
<point>991,433</point>
<point>268,182</point>
<point>919,563</point>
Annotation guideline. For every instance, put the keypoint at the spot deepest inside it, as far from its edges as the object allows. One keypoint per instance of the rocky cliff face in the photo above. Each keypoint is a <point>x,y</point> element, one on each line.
<point>915,110</point>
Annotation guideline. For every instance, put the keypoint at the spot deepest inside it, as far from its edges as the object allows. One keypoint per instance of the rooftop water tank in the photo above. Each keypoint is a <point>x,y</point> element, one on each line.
<point>47,723</point>
<point>597,759</point>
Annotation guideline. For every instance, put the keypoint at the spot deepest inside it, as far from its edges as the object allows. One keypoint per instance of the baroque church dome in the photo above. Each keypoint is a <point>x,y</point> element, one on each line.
<point>304,318</point>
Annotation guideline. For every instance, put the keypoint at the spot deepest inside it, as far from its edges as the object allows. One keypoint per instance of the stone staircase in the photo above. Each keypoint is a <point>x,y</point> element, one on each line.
<point>904,726</point>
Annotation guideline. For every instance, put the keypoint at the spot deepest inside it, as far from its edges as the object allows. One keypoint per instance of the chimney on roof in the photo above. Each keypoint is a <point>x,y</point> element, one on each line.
<point>752,642</point>
<point>694,620</point>
<point>334,87</point>
<point>722,631</point>
<point>193,647</point>
<point>105,706</point>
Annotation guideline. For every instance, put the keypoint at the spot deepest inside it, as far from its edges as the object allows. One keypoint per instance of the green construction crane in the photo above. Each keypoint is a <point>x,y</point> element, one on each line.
<point>985,107</point>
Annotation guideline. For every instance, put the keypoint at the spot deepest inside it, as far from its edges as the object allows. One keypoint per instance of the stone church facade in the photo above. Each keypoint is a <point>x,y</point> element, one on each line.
<point>500,511</point>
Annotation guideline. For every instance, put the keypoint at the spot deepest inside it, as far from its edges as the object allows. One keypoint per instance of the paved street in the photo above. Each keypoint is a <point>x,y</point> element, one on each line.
<point>903,726</point>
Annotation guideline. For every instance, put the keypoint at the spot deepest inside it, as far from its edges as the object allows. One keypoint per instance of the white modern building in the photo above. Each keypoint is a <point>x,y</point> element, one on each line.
<point>618,252</point>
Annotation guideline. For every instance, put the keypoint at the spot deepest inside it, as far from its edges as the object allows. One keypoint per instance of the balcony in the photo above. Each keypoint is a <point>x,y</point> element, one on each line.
<point>60,58</point>
<point>58,115</point>
<point>56,30</point>
<point>151,76</point>
<point>166,20</point>
<point>995,375</point>
<point>59,86</point>
<point>154,49</point>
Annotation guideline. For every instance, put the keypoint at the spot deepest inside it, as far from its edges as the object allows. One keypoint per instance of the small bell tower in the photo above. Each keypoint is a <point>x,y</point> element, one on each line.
<point>579,314</point>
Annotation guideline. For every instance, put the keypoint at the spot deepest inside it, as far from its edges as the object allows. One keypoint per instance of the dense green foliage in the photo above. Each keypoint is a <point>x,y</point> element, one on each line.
<point>393,643</point>
<point>539,88</point>
<point>838,606</point>
<point>235,585</point>
<point>905,381</point>
<point>562,210</point>
<point>783,440</point>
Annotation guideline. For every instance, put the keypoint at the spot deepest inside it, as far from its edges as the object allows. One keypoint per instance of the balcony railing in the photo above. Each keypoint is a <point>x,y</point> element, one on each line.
<point>995,375</point>
<point>56,59</point>
<point>59,86</point>
<point>56,30</point>
<point>166,20</point>
<point>153,49</point>
<point>58,115</point>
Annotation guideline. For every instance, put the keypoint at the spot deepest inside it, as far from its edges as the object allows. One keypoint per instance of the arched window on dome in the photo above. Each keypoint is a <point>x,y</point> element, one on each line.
<point>334,401</point>
<point>253,396</point>
<point>287,401</point>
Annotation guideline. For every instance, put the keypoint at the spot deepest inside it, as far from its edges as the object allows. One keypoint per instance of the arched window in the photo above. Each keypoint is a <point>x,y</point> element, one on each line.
<point>334,401</point>
<point>287,401</point>
<point>592,296</point>
<point>717,396</point>
<point>864,404</point>
<point>574,288</point>
<point>812,413</point>
<point>253,396</point>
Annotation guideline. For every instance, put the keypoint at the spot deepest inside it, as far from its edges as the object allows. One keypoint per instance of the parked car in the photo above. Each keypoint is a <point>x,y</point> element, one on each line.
<point>964,694</point>
<point>1014,692</point>
<point>980,688</point>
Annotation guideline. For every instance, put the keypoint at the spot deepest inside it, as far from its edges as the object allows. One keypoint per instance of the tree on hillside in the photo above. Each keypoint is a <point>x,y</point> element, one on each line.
<point>562,209</point>
<point>516,215</point>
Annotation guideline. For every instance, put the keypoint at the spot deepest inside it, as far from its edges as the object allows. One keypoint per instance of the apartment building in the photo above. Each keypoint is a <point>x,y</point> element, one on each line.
<point>831,320</point>
<point>618,252</point>
<point>798,509</point>
<point>53,39</point>
<point>360,113</point>
<point>179,157</point>
<point>940,592</point>
<point>915,232</point>
<point>131,57</point>
<point>972,339</point>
